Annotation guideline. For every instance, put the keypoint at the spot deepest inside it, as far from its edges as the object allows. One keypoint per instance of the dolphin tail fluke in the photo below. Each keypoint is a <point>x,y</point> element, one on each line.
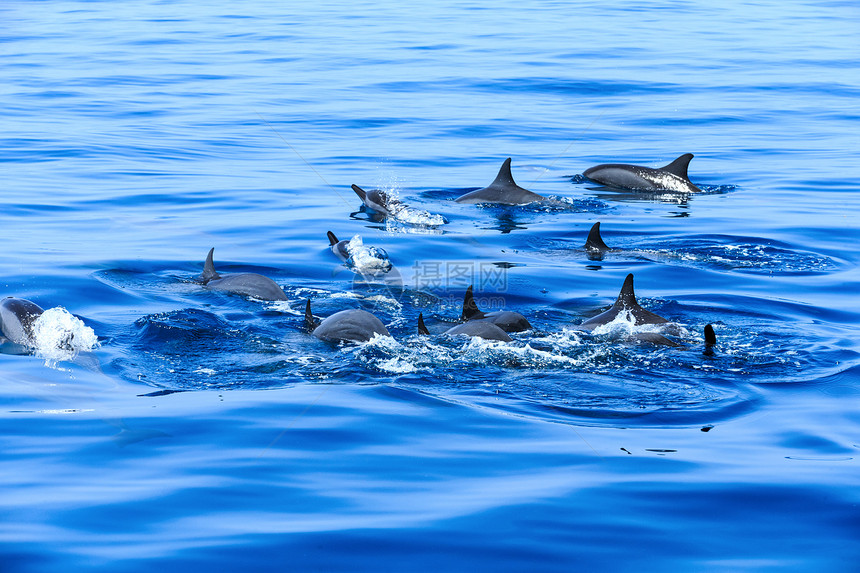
<point>680,165</point>
<point>710,339</point>
<point>626,297</point>
<point>209,272</point>
<point>505,177</point>
<point>470,307</point>
<point>332,239</point>
<point>422,329</point>
<point>594,242</point>
<point>362,194</point>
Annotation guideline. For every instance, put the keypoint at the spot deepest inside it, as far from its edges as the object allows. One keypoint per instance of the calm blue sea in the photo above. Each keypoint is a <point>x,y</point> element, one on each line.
<point>207,430</point>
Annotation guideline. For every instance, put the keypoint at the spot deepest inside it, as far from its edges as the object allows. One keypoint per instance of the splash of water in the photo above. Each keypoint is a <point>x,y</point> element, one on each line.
<point>59,336</point>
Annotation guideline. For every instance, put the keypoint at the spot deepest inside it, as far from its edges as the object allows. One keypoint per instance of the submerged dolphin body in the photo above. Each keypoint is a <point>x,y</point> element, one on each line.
<point>339,248</point>
<point>17,317</point>
<point>672,177</point>
<point>378,200</point>
<point>476,328</point>
<point>353,325</point>
<point>248,284</point>
<point>626,302</point>
<point>507,320</point>
<point>502,190</point>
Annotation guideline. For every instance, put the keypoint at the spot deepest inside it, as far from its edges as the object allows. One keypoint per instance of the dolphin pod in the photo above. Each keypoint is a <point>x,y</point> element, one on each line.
<point>17,316</point>
<point>672,177</point>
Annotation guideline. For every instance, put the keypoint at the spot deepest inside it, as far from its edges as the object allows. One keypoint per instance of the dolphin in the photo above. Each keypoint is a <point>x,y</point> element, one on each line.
<point>338,247</point>
<point>248,284</point>
<point>507,320</point>
<point>378,200</point>
<point>594,243</point>
<point>477,328</point>
<point>502,190</point>
<point>626,302</point>
<point>353,325</point>
<point>17,318</point>
<point>672,177</point>
<point>710,340</point>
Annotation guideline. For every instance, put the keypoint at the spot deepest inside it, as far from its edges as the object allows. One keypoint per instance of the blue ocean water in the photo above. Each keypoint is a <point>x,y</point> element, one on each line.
<point>209,430</point>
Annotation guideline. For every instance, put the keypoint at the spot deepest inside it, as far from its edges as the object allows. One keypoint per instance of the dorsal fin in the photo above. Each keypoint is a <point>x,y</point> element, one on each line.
<point>594,242</point>
<point>679,166</point>
<point>360,192</point>
<point>470,307</point>
<point>422,329</point>
<point>710,339</point>
<point>209,273</point>
<point>332,238</point>
<point>310,323</point>
<point>504,177</point>
<point>626,297</point>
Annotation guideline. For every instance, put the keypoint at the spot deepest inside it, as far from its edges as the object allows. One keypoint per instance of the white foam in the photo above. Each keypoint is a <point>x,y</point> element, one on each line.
<point>60,336</point>
<point>371,261</point>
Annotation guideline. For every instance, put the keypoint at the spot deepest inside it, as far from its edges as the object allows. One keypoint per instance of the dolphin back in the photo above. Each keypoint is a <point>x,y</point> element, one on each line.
<point>17,316</point>
<point>503,190</point>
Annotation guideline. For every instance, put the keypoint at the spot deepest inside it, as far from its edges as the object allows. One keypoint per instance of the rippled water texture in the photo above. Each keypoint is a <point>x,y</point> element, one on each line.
<point>155,423</point>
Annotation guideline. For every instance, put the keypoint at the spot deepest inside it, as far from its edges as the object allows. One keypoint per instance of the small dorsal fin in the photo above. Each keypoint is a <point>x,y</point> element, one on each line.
<point>470,307</point>
<point>332,238</point>
<point>209,273</point>
<point>626,297</point>
<point>594,242</point>
<point>504,177</point>
<point>310,323</point>
<point>422,329</point>
<point>710,339</point>
<point>679,166</point>
<point>360,192</point>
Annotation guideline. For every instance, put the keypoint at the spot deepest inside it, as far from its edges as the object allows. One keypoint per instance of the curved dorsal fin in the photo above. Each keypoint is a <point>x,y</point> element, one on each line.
<point>310,322</point>
<point>594,242</point>
<point>470,307</point>
<point>679,166</point>
<point>626,297</point>
<point>362,194</point>
<point>504,177</point>
<point>332,239</point>
<point>710,339</point>
<point>422,329</point>
<point>209,272</point>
